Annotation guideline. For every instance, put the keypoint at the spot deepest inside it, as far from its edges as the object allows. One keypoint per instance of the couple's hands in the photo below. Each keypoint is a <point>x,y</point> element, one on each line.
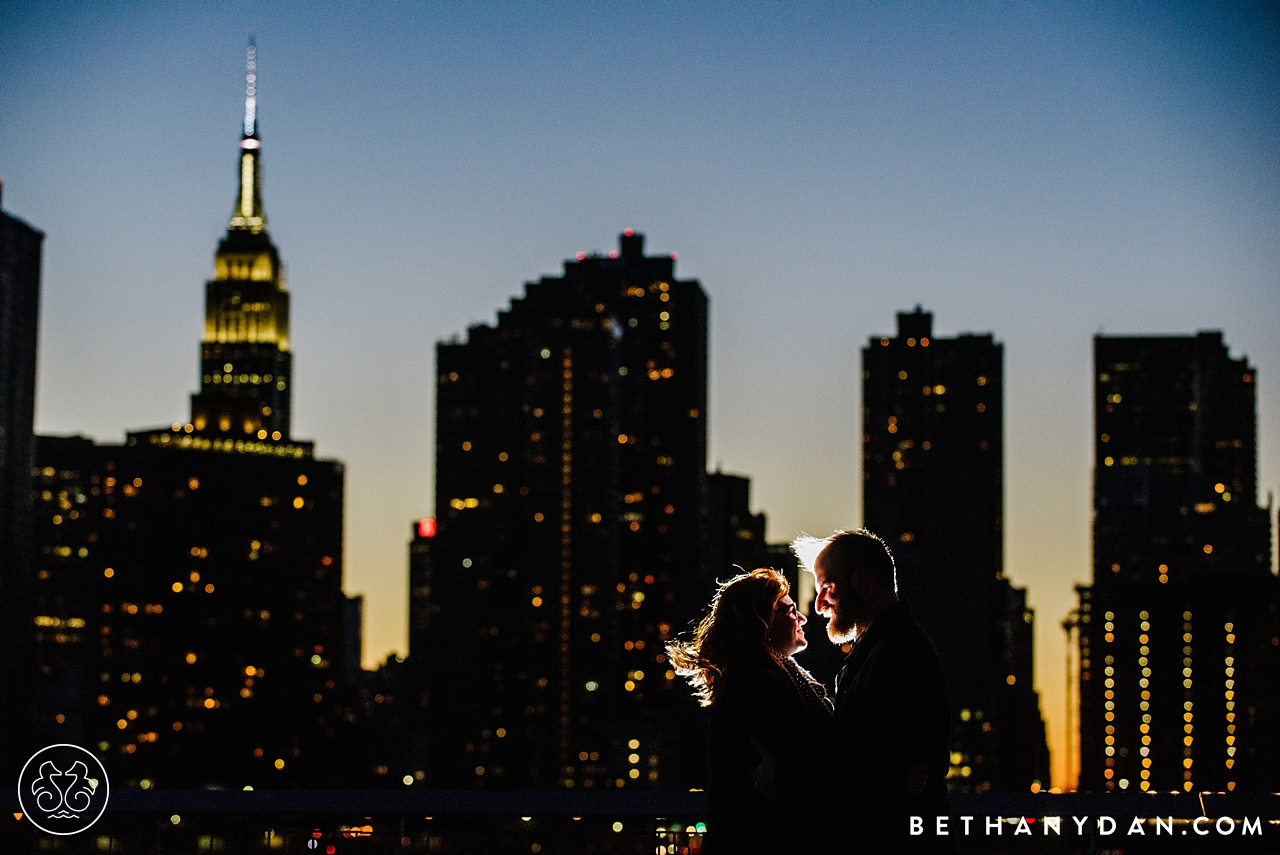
<point>765,776</point>
<point>917,777</point>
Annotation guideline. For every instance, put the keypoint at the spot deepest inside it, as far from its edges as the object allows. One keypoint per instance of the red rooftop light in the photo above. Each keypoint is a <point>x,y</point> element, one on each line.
<point>581,256</point>
<point>613,253</point>
<point>629,232</point>
<point>426,527</point>
<point>673,256</point>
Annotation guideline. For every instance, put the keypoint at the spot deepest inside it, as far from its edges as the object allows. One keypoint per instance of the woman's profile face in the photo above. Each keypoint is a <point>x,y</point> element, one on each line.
<point>786,633</point>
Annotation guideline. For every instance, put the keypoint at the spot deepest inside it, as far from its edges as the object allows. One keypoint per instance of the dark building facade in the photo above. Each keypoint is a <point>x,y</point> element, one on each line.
<point>933,487</point>
<point>188,584</point>
<point>20,247</point>
<point>734,534</point>
<point>1176,461</point>
<point>189,613</point>
<point>1179,636</point>
<point>570,489</point>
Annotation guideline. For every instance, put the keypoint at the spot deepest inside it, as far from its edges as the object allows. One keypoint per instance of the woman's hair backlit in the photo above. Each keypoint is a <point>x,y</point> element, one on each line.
<point>734,632</point>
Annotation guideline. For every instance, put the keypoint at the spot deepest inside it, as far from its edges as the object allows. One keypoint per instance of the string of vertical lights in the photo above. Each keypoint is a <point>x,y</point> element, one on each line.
<point>1229,662</point>
<point>1110,705</point>
<point>566,547</point>
<point>1144,706</point>
<point>1188,705</point>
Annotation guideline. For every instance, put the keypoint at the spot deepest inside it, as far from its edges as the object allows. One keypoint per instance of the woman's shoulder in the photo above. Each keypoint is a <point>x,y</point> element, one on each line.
<point>765,689</point>
<point>755,677</point>
<point>740,685</point>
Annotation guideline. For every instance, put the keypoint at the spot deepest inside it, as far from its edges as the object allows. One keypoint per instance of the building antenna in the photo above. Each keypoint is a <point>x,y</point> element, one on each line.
<point>251,89</point>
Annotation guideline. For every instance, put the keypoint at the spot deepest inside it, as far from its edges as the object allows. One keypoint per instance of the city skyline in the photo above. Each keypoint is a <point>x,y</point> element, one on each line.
<point>1136,192</point>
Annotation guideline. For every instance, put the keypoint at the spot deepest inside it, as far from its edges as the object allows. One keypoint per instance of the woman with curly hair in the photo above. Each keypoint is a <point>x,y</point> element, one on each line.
<point>764,791</point>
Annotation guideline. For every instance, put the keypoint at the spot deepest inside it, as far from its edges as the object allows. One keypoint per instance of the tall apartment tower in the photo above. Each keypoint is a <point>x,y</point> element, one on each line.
<point>570,479</point>
<point>1179,633</point>
<point>19,325</point>
<point>735,537</point>
<point>933,487</point>
<point>190,615</point>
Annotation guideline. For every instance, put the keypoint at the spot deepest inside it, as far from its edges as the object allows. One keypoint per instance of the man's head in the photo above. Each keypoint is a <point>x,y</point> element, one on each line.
<point>855,579</point>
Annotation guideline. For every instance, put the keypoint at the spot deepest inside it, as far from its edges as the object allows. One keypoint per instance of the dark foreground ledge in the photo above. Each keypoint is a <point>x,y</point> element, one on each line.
<point>656,804</point>
<point>406,801</point>
<point>398,822</point>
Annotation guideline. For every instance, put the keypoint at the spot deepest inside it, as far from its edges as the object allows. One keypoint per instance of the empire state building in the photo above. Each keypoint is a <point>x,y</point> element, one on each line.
<point>191,624</point>
<point>244,358</point>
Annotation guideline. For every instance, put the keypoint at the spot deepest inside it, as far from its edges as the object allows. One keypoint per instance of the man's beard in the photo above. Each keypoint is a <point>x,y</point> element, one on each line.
<point>840,627</point>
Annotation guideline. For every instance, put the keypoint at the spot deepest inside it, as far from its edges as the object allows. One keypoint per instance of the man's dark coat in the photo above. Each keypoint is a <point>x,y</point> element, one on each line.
<point>891,714</point>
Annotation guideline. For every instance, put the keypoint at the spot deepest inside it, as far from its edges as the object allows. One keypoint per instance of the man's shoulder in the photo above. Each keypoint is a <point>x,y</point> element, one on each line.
<point>901,638</point>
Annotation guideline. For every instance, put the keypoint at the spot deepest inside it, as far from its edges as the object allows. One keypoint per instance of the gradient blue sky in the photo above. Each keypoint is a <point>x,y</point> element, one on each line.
<point>1040,171</point>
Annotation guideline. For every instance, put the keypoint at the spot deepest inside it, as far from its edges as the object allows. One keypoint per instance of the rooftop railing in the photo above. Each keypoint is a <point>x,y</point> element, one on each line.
<point>345,822</point>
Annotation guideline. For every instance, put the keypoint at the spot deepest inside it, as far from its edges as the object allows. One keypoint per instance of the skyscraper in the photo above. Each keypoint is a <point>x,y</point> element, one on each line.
<point>189,612</point>
<point>734,535</point>
<point>1179,635</point>
<point>244,359</point>
<point>19,313</point>
<point>570,479</point>
<point>1176,461</point>
<point>189,597</point>
<point>933,487</point>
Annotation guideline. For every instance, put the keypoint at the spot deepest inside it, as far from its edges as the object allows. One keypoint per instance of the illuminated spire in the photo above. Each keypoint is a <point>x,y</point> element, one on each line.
<point>249,215</point>
<point>250,92</point>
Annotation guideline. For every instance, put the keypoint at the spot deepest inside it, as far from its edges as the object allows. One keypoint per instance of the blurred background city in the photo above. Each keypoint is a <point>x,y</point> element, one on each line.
<point>590,305</point>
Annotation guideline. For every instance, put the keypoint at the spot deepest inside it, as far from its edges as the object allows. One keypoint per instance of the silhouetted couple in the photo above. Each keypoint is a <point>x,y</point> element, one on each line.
<point>791,770</point>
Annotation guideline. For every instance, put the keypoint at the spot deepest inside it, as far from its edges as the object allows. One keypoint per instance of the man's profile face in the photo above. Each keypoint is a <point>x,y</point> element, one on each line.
<point>840,605</point>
